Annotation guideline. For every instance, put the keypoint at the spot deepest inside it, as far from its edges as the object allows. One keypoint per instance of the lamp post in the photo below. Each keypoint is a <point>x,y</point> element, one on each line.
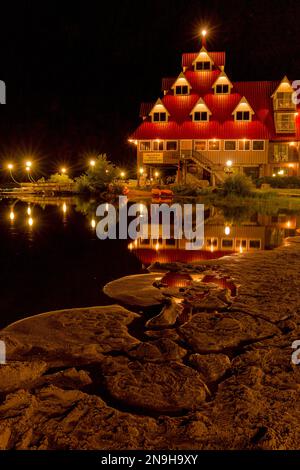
<point>28,169</point>
<point>10,168</point>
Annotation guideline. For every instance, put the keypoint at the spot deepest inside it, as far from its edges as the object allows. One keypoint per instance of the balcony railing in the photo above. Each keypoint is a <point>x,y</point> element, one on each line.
<point>288,126</point>
<point>284,103</point>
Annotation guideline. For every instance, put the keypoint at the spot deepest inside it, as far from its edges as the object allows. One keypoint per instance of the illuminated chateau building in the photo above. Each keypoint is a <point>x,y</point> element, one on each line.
<point>205,123</point>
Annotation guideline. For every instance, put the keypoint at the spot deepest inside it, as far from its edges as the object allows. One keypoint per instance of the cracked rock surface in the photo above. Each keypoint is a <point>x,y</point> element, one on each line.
<point>218,377</point>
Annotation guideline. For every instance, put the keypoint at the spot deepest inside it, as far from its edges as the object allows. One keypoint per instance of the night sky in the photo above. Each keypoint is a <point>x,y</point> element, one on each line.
<point>76,73</point>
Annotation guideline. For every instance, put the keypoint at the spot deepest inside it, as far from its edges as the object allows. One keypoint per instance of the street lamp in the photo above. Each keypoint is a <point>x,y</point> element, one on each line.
<point>10,168</point>
<point>122,174</point>
<point>63,170</point>
<point>92,163</point>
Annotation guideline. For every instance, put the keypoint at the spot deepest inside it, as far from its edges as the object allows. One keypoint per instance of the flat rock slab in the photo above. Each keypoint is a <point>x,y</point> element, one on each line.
<point>70,337</point>
<point>136,290</point>
<point>216,332</point>
<point>163,388</point>
<point>14,375</point>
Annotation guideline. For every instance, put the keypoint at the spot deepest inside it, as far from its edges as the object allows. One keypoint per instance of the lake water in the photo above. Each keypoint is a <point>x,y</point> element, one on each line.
<point>51,258</point>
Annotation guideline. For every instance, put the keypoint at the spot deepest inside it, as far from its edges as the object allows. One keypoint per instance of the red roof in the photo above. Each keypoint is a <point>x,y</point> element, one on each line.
<point>221,124</point>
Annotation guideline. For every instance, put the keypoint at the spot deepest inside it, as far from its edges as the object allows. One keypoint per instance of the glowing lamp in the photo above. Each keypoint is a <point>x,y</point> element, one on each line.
<point>156,174</point>
<point>227,230</point>
<point>229,163</point>
<point>141,170</point>
<point>92,163</point>
<point>203,32</point>
<point>12,215</point>
<point>93,223</point>
<point>63,170</point>
<point>28,164</point>
<point>30,222</point>
<point>10,166</point>
<point>122,174</point>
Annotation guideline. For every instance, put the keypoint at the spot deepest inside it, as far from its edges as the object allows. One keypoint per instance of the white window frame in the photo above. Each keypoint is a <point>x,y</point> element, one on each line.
<point>230,150</point>
<point>142,142</point>
<point>166,146</point>
<point>243,111</point>
<point>160,142</point>
<point>159,112</point>
<point>243,141</point>
<point>258,150</point>
<point>202,70</point>
<point>222,84</point>
<point>201,120</point>
<point>182,94</point>
<point>200,140</point>
<point>214,142</point>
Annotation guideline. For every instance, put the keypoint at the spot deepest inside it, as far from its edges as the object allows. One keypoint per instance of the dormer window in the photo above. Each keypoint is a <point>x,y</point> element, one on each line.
<point>222,89</point>
<point>159,113</point>
<point>243,116</point>
<point>203,61</point>
<point>203,65</point>
<point>159,117</point>
<point>200,116</point>
<point>181,86</point>
<point>200,112</point>
<point>181,90</point>
<point>222,86</point>
<point>243,111</point>
<point>283,96</point>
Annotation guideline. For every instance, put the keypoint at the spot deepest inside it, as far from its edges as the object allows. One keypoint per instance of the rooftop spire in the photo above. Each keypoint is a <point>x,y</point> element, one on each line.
<point>203,37</point>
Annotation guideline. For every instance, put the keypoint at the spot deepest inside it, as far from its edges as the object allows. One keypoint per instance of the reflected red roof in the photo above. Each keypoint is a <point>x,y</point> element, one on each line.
<point>149,256</point>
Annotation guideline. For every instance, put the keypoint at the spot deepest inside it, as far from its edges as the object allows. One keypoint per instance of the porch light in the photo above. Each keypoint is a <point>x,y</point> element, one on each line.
<point>227,230</point>
<point>229,163</point>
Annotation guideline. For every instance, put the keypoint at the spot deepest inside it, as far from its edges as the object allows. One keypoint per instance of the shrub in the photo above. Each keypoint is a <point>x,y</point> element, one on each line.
<point>287,182</point>
<point>98,177</point>
<point>239,185</point>
<point>60,179</point>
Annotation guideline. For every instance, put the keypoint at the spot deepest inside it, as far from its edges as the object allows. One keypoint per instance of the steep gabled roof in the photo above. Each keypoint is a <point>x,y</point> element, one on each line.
<point>221,124</point>
<point>218,58</point>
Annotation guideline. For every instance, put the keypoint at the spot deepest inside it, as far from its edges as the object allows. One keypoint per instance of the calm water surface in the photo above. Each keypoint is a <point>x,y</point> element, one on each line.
<point>51,258</point>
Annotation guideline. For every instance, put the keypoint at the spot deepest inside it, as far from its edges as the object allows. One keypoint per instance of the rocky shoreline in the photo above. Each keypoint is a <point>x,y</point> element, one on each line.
<point>203,362</point>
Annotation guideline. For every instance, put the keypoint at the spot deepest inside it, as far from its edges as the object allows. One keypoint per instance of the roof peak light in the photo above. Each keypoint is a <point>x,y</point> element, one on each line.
<point>203,37</point>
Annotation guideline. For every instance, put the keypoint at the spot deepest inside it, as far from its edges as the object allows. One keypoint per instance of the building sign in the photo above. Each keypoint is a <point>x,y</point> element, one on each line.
<point>153,157</point>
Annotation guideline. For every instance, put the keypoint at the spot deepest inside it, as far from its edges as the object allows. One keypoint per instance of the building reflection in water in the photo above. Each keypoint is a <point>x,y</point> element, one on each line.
<point>221,237</point>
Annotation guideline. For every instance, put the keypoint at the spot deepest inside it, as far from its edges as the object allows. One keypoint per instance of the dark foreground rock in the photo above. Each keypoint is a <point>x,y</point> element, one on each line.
<point>218,376</point>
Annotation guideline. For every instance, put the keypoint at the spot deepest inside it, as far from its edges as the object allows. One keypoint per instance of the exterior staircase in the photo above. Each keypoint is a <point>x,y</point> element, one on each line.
<point>216,170</point>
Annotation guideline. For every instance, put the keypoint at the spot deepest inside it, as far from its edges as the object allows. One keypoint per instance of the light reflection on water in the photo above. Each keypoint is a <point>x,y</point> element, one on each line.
<point>52,259</point>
